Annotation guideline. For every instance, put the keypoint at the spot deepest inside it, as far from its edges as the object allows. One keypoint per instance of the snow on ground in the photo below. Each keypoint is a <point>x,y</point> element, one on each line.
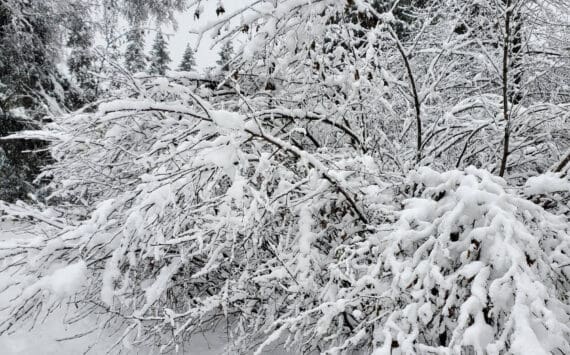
<point>51,336</point>
<point>46,337</point>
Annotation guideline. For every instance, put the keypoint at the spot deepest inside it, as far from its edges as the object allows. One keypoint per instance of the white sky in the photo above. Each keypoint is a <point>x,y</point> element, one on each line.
<point>178,38</point>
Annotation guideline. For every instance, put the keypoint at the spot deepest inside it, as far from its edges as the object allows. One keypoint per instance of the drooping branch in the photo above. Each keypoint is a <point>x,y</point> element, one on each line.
<point>315,163</point>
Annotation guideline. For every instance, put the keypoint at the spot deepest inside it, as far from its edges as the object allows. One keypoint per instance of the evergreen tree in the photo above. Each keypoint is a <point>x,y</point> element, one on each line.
<point>81,61</point>
<point>135,59</point>
<point>188,61</point>
<point>226,54</point>
<point>29,47</point>
<point>159,57</point>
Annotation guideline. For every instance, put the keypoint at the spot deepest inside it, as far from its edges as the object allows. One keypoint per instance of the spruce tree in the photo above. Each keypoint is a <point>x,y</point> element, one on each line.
<point>80,62</point>
<point>29,48</point>
<point>188,61</point>
<point>30,34</point>
<point>159,57</point>
<point>226,54</point>
<point>135,59</point>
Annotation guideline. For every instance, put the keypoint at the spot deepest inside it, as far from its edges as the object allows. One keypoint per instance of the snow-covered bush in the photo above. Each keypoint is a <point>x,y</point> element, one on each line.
<point>468,266</point>
<point>179,216</point>
<point>288,202</point>
<point>180,213</point>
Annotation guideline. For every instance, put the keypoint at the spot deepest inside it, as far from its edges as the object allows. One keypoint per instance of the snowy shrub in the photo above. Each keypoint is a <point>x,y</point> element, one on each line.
<point>182,217</point>
<point>290,201</point>
<point>471,264</point>
<point>468,266</point>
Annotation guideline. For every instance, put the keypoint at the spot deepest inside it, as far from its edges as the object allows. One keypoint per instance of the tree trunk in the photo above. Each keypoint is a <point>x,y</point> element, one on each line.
<point>505,84</point>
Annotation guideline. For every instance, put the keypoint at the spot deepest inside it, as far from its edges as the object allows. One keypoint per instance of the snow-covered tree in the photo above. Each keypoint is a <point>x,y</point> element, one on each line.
<point>81,60</point>
<point>35,37</point>
<point>226,55</point>
<point>30,86</point>
<point>29,52</point>
<point>135,58</point>
<point>188,61</point>
<point>502,127</point>
<point>136,10</point>
<point>159,57</point>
